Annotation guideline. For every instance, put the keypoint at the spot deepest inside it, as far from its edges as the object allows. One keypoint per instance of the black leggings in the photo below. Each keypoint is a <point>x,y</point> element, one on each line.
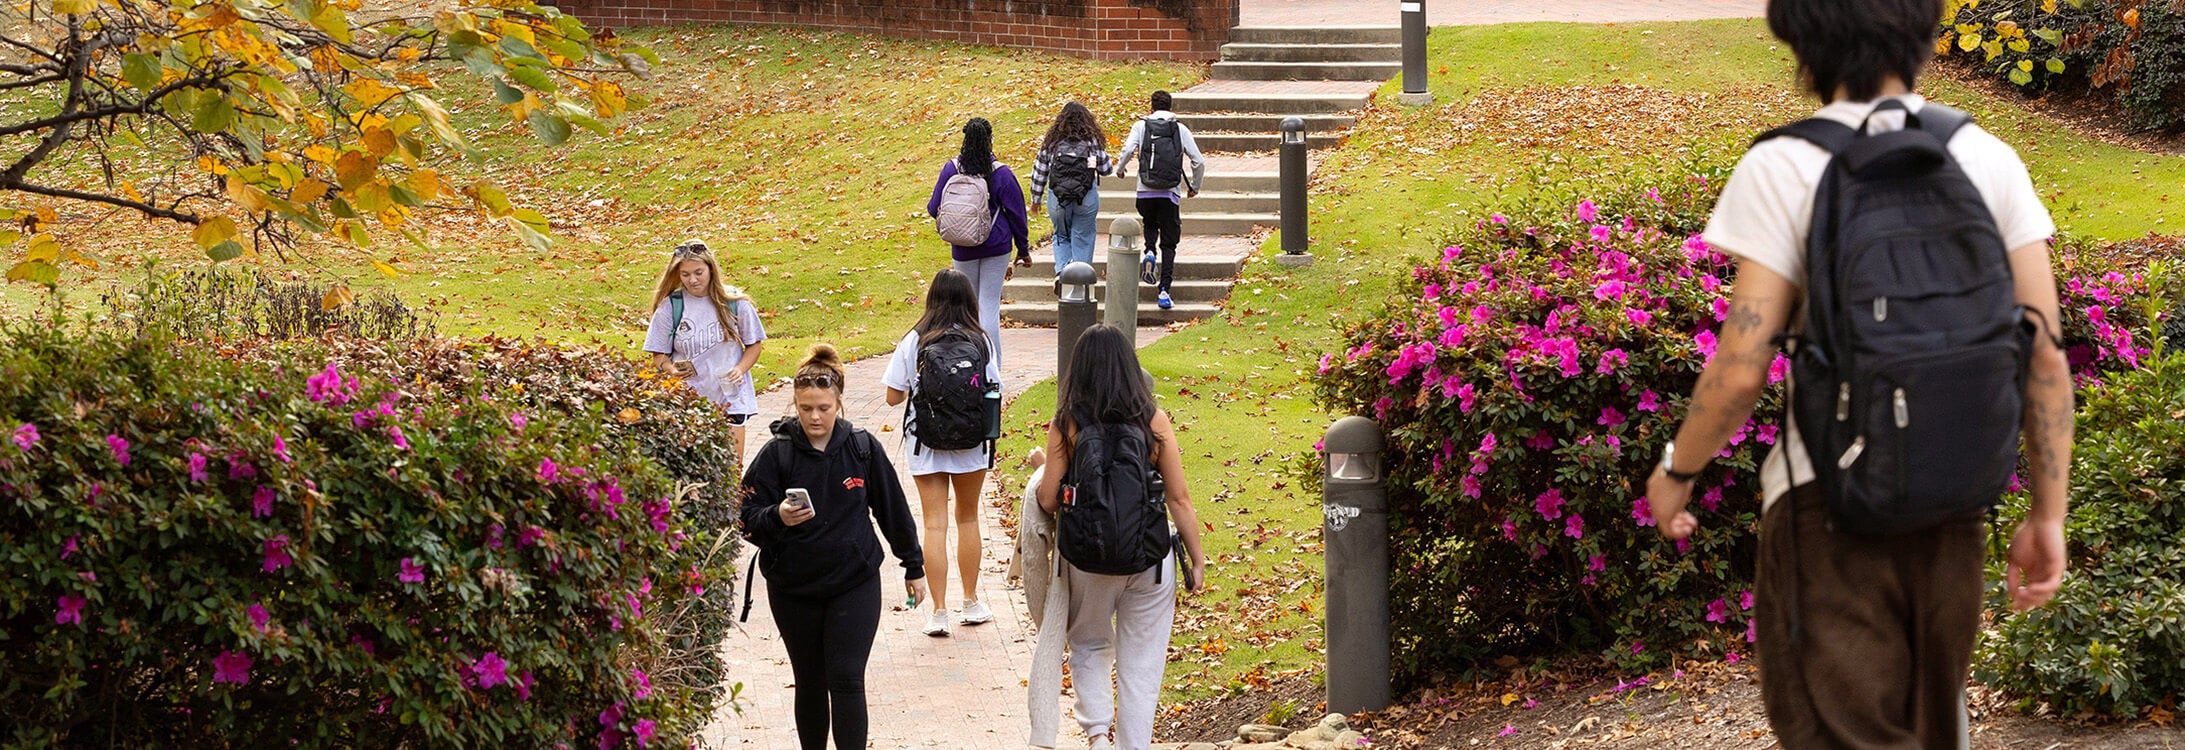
<point>1163,225</point>
<point>829,641</point>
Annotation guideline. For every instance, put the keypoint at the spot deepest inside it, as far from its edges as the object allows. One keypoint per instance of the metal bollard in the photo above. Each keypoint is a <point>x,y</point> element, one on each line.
<point>1414,93</point>
<point>1294,238</point>
<point>1355,509</point>
<point>1122,302</point>
<point>1075,311</point>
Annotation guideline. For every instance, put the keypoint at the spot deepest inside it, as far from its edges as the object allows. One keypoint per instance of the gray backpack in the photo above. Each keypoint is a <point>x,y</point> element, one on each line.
<point>965,218</point>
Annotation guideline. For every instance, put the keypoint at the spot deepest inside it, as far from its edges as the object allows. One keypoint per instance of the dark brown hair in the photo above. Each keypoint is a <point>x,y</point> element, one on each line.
<point>1856,44</point>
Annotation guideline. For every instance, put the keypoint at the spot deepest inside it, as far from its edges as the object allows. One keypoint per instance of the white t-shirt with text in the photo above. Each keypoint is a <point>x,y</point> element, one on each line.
<point>700,331</point>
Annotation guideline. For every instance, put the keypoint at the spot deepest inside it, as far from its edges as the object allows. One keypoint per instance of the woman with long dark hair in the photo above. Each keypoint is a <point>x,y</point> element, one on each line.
<point>987,262</point>
<point>810,501</point>
<point>944,368</point>
<point>1067,170</point>
<point>1117,620</point>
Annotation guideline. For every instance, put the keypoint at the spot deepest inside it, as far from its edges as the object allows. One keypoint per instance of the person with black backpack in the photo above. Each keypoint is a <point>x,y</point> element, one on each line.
<point>943,367</point>
<point>810,500</point>
<point>978,208</point>
<point>1928,345</point>
<point>1117,483</point>
<point>1071,160</point>
<point>1162,145</point>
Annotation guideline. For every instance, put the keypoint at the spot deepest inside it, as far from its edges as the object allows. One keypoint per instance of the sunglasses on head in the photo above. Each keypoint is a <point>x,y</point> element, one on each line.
<point>816,381</point>
<point>691,250</point>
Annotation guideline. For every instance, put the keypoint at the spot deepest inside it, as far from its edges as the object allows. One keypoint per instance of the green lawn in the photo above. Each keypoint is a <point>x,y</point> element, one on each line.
<point>1520,110</point>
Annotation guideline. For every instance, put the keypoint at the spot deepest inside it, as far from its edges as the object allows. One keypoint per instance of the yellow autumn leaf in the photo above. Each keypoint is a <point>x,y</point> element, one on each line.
<point>44,249</point>
<point>336,298</point>
<point>384,268</point>
<point>247,196</point>
<point>74,7</point>
<point>629,416</point>
<point>2130,18</point>
<point>609,99</point>
<point>369,92</point>
<point>354,169</point>
<point>308,191</point>
<point>1968,42</point>
<point>46,215</point>
<point>2048,6</point>
<point>2025,65</point>
<point>426,184</point>
<point>378,142</point>
<point>213,231</point>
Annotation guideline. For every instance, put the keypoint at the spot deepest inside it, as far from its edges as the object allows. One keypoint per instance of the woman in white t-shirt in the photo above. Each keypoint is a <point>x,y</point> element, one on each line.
<point>694,314</point>
<point>951,317</point>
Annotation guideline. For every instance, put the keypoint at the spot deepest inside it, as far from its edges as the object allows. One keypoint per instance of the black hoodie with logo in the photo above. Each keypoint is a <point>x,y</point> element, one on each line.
<point>850,481</point>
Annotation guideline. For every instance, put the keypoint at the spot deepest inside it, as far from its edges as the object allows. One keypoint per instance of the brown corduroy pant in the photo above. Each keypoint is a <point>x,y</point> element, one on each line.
<point>1887,630</point>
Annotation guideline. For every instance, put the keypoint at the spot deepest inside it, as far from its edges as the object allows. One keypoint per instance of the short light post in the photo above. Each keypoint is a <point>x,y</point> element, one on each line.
<point>1294,237</point>
<point>1414,19</point>
<point>1074,313</point>
<point>1355,509</point>
<point>1122,300</point>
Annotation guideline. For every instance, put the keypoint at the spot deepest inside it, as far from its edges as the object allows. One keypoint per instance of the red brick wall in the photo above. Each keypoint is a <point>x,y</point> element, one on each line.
<point>1100,29</point>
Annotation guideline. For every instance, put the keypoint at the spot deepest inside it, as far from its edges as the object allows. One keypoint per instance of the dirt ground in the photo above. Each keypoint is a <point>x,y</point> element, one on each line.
<point>1714,705</point>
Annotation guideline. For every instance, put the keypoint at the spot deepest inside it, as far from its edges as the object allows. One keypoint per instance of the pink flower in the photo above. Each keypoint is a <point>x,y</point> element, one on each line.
<point>68,546</point>
<point>261,502</point>
<point>1648,401</point>
<point>1549,504</point>
<point>1637,647</point>
<point>523,683</point>
<point>1597,563</point>
<point>1611,361</point>
<point>1507,730</point>
<point>1745,600</point>
<point>644,732</point>
<point>1466,398</point>
<point>644,683</point>
<point>1610,417</point>
<point>1531,704</point>
<point>518,421</point>
<point>276,552</point>
<point>1654,195</point>
<point>280,450</point>
<point>1731,657</point>
<point>197,467</point>
<point>1718,611</point>
<point>1602,235</point>
<point>394,433</point>
<point>1574,526</point>
<point>1638,317</point>
<point>1706,342</point>
<point>1509,529</point>
<point>1711,499</point>
<point>70,610</point>
<point>1642,511</point>
<point>1752,631</point>
<point>230,666</point>
<point>1777,369</point>
<point>26,436</point>
<point>329,386</point>
<point>259,617</point>
<point>241,469</point>
<point>411,571</point>
<point>120,447</point>
<point>548,471</point>
<point>489,670</point>
<point>1587,212</point>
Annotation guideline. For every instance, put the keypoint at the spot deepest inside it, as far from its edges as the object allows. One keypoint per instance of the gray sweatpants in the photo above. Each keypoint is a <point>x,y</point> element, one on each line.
<point>1120,622</point>
<point>987,276</point>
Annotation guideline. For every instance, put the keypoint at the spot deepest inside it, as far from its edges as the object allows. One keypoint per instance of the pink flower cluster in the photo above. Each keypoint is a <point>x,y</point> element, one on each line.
<point>329,387</point>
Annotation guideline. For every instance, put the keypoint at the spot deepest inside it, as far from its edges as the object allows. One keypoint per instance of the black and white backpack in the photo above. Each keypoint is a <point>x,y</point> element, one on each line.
<point>948,404</point>
<point>1910,369</point>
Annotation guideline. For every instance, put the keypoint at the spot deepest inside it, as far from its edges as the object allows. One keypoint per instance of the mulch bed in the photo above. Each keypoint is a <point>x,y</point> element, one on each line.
<point>2092,113</point>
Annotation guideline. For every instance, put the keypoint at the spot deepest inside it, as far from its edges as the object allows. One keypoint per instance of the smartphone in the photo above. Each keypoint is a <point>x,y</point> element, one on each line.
<point>798,498</point>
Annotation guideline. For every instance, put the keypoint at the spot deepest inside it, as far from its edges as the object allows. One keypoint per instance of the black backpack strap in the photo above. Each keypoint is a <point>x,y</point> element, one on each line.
<point>1943,122</point>
<point>786,461</point>
<point>1830,135</point>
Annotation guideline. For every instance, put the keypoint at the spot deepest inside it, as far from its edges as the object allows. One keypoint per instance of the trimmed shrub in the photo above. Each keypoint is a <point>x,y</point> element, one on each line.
<point>2134,49</point>
<point>205,552</point>
<point>216,304</point>
<point>2112,643</point>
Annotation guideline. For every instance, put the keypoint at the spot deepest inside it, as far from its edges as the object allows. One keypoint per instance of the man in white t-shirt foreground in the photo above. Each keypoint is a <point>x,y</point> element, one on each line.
<point>1865,640</point>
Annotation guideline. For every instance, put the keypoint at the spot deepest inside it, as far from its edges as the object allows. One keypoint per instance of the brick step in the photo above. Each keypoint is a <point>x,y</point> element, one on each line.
<point>1039,288</point>
<point>1245,52</point>
<point>1148,314</point>
<point>1317,35</point>
<point>1254,123</point>
<point>1305,71</point>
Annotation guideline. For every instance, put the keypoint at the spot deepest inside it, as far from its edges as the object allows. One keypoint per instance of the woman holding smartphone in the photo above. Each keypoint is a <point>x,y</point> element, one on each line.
<point>806,501</point>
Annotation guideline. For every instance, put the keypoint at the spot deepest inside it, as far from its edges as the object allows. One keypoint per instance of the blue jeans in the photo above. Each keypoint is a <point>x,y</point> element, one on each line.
<point>1075,226</point>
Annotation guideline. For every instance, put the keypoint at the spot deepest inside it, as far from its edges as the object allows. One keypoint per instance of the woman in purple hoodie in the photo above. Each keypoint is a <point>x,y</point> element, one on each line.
<point>988,263</point>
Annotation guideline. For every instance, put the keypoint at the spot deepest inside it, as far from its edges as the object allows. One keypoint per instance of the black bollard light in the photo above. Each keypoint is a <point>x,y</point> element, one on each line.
<point>1294,237</point>
<point>1355,509</point>
<point>1075,312</point>
<point>1414,93</point>
<point>1122,310</point>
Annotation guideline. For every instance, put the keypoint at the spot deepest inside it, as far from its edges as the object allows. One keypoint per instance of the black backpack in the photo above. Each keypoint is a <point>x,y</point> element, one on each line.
<point>1161,160</point>
<point>948,405</point>
<point>1067,174</point>
<point>1114,516</point>
<point>1909,372</point>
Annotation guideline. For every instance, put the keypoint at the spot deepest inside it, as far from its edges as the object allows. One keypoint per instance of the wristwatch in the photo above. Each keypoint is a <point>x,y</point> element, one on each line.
<point>1669,464</point>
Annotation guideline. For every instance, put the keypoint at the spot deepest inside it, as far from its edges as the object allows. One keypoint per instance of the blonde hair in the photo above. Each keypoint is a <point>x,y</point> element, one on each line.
<point>823,360</point>
<point>722,295</point>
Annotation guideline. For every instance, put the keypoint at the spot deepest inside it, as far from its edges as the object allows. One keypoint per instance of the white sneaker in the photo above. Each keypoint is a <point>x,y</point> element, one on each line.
<point>1101,743</point>
<point>937,625</point>
<point>976,613</point>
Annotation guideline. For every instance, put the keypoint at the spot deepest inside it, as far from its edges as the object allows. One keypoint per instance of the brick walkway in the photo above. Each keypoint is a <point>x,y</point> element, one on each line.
<point>958,692</point>
<point>1481,12</point>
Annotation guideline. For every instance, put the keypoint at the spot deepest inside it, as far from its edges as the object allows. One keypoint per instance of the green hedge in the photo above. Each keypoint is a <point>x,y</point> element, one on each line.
<point>250,551</point>
<point>1527,376</point>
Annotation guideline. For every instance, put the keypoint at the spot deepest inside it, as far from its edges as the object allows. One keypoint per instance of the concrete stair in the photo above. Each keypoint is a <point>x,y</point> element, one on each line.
<point>1297,53</point>
<point>1273,100</point>
<point>1317,35</point>
<point>1205,268</point>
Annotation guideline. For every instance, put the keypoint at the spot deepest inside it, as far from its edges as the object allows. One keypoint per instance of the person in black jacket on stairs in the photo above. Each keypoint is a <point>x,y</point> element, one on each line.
<point>820,556</point>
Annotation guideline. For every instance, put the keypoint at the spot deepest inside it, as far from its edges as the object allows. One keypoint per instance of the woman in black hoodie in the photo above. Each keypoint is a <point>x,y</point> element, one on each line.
<point>821,559</point>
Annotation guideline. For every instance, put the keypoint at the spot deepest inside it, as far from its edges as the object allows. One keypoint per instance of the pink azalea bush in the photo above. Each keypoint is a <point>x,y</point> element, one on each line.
<point>208,552</point>
<point>1527,378</point>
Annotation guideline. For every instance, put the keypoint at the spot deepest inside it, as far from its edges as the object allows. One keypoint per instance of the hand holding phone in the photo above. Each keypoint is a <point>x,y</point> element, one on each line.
<point>796,506</point>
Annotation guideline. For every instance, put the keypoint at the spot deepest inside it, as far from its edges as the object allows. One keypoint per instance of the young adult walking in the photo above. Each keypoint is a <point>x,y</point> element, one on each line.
<point>1120,472</point>
<point>1872,532</point>
<point>1162,146</point>
<point>696,317</point>
<point>944,369</point>
<point>810,500</point>
<point>959,208</point>
<point>1071,160</point>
